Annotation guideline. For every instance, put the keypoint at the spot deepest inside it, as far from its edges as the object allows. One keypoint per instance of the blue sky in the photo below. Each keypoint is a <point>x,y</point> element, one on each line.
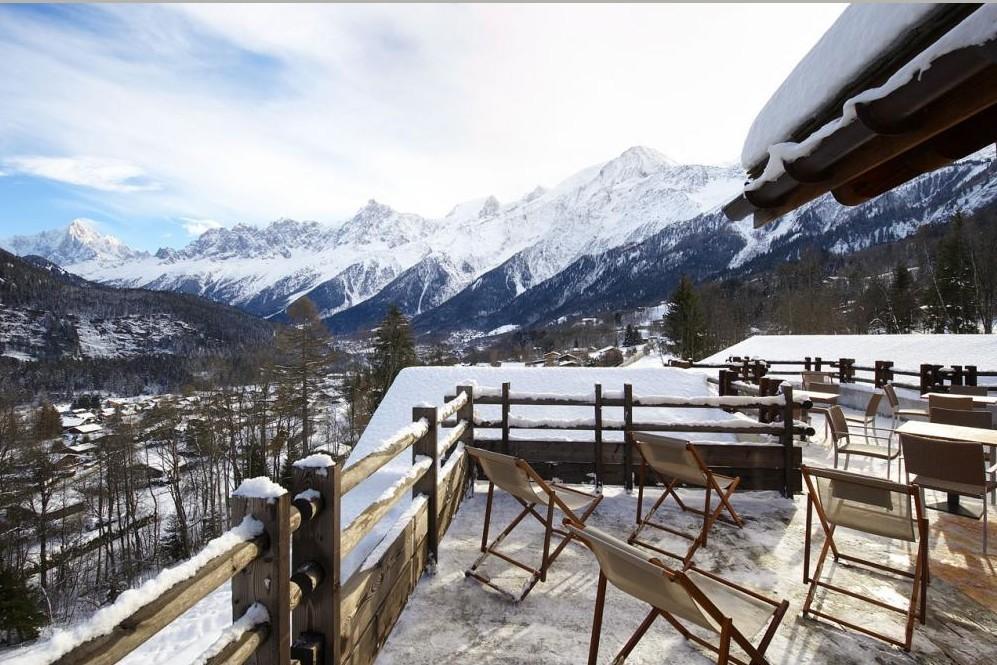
<point>161,121</point>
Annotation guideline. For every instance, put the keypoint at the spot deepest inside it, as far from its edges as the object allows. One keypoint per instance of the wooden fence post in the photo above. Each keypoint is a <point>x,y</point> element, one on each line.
<point>505,418</point>
<point>877,374</point>
<point>268,579</point>
<point>925,378</point>
<point>887,371</point>
<point>597,450</point>
<point>817,364</point>
<point>725,379</point>
<point>763,389</point>
<point>317,619</point>
<point>806,363</point>
<point>427,446</point>
<point>970,375</point>
<point>787,437</point>
<point>956,375</point>
<point>628,424</point>
<point>466,413</point>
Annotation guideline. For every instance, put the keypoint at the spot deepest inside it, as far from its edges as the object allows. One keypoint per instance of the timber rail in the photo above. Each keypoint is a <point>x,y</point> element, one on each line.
<point>285,549</point>
<point>931,377</point>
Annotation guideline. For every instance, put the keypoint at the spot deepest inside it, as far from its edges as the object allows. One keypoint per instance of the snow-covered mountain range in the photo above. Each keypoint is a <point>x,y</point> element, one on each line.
<point>616,233</point>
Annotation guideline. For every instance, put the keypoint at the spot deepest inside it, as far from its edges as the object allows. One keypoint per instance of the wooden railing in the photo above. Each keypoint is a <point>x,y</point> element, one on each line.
<point>931,377</point>
<point>284,556</point>
<point>598,460</point>
<point>285,549</point>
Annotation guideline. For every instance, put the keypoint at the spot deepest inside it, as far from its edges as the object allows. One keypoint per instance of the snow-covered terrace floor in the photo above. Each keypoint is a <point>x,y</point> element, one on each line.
<point>451,619</point>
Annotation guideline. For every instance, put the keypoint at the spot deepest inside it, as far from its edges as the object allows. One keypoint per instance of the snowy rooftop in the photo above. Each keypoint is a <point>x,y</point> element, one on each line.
<point>451,619</point>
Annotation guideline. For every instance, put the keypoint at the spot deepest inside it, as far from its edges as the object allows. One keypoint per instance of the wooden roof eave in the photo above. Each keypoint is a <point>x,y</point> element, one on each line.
<point>957,87</point>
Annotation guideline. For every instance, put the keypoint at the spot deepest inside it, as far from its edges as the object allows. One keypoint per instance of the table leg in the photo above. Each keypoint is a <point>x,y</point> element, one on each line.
<point>953,505</point>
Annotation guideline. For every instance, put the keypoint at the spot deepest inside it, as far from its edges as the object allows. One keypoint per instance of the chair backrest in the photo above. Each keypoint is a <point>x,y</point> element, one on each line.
<point>872,408</point>
<point>633,572</point>
<point>949,402</point>
<point>976,391</point>
<point>837,422</point>
<point>671,457</point>
<point>891,396</point>
<point>953,461</point>
<point>507,472</point>
<point>817,377</point>
<point>981,419</point>
<point>858,502</point>
<point>819,387</point>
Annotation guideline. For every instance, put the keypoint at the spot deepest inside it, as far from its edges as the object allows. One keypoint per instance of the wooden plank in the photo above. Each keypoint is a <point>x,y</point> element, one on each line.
<point>364,467</point>
<point>362,524</point>
<point>267,579</point>
<point>157,614</point>
<point>366,589</point>
<point>318,541</point>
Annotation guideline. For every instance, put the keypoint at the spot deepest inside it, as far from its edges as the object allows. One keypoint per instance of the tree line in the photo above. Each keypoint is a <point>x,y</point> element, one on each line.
<point>943,279</point>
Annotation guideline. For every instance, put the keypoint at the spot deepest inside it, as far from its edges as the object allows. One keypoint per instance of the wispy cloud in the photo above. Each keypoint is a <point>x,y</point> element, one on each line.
<point>195,227</point>
<point>256,112</point>
<point>102,174</point>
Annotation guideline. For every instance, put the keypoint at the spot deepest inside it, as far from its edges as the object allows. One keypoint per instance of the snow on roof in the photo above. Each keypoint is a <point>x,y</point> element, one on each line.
<point>906,351</point>
<point>86,428</point>
<point>862,34</point>
<point>979,28</point>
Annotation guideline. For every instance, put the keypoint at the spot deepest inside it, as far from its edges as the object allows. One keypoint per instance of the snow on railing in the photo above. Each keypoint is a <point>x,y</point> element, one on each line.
<point>453,406</point>
<point>452,437</point>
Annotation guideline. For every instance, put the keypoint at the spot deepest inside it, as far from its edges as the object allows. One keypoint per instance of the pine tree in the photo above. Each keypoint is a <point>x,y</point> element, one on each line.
<point>393,351</point>
<point>903,303</point>
<point>951,294</point>
<point>306,356</point>
<point>21,614</point>
<point>685,323</point>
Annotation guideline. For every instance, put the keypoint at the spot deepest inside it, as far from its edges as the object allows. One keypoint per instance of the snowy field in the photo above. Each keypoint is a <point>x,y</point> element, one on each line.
<point>452,619</point>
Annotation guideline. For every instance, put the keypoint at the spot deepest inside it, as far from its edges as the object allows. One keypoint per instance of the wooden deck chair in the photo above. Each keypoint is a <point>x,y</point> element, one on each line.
<point>872,506</point>
<point>689,599</point>
<point>519,479</point>
<point>674,462</point>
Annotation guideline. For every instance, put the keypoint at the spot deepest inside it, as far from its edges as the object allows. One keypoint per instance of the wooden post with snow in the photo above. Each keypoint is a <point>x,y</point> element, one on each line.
<point>787,438</point>
<point>427,446</point>
<point>466,413</point>
<point>628,425</point>
<point>971,375</point>
<point>267,579</point>
<point>316,620</point>
<point>505,418</point>
<point>598,436</point>
<point>925,378</point>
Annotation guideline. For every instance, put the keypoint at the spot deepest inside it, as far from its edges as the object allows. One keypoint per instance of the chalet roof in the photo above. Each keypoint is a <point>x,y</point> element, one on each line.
<point>86,428</point>
<point>914,105</point>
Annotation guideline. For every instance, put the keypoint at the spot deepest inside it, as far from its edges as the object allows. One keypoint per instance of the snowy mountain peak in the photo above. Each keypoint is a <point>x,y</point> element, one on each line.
<point>79,242</point>
<point>635,162</point>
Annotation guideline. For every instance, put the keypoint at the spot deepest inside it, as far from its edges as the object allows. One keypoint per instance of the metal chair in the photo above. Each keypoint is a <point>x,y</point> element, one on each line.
<point>954,467</point>
<point>842,440</point>
<point>898,413</point>
<point>980,419</point>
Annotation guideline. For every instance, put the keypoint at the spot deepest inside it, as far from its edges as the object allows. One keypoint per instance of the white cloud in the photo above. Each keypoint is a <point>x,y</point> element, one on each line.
<point>308,111</point>
<point>102,174</point>
<point>196,227</point>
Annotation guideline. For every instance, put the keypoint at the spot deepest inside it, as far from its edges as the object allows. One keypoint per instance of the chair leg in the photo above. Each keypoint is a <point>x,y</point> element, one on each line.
<point>600,602</point>
<point>488,516</point>
<point>550,527</point>
<point>636,637</point>
<point>986,527</point>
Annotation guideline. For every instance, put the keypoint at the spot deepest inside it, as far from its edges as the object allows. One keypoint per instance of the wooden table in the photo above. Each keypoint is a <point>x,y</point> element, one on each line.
<point>984,437</point>
<point>979,401</point>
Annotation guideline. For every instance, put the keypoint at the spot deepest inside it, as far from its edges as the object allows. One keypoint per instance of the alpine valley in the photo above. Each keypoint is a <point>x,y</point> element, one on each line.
<point>614,235</point>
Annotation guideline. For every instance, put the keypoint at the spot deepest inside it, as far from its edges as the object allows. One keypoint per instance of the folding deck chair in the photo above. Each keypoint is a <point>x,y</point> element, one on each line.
<point>872,506</point>
<point>518,478</point>
<point>703,600</point>
<point>676,461</point>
